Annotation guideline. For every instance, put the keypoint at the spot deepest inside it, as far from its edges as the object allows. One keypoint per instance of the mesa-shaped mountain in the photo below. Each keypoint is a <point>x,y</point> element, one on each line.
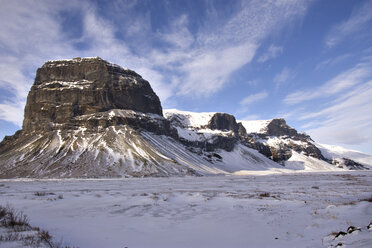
<point>87,117</point>
<point>64,90</point>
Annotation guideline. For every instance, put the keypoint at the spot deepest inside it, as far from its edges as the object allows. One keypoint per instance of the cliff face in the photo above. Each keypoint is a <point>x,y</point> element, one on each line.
<point>66,89</point>
<point>223,121</point>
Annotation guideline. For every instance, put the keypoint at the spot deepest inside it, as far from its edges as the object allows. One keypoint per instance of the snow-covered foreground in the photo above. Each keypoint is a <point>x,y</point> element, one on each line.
<point>277,210</point>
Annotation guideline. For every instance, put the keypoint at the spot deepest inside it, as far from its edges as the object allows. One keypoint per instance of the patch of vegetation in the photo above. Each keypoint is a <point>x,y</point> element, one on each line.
<point>367,199</point>
<point>264,194</point>
<point>11,218</point>
<point>18,229</point>
<point>42,193</point>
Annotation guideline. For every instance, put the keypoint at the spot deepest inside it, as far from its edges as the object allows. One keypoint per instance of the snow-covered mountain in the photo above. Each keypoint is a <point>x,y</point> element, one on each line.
<point>273,138</point>
<point>345,158</point>
<point>86,117</point>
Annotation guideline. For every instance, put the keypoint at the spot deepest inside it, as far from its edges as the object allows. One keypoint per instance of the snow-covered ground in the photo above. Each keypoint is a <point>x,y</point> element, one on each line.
<point>276,210</point>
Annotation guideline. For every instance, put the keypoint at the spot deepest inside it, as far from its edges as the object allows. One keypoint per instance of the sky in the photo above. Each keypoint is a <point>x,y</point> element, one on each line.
<point>309,62</point>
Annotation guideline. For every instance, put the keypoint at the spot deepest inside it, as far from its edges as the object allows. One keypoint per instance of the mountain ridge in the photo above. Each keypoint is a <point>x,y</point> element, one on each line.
<point>86,117</point>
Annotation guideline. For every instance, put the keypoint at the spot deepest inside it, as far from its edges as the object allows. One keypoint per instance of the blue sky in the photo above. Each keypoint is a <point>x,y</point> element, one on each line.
<point>309,62</point>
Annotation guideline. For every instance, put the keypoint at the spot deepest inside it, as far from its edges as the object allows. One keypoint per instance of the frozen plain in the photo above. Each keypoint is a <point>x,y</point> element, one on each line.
<point>275,210</point>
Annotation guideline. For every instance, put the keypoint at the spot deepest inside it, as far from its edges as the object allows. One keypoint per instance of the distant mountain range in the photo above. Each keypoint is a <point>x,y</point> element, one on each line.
<point>86,117</point>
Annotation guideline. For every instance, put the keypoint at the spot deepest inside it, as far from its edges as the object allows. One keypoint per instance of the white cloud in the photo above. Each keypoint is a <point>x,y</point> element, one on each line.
<point>179,35</point>
<point>12,112</point>
<point>341,82</point>
<point>247,101</point>
<point>218,51</point>
<point>254,98</point>
<point>346,120</point>
<point>332,61</point>
<point>271,53</point>
<point>283,77</point>
<point>207,72</point>
<point>360,18</point>
<point>342,114</point>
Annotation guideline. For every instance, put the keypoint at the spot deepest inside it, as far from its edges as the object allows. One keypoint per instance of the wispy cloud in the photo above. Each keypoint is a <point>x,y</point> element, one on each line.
<point>343,81</point>
<point>207,72</point>
<point>254,98</point>
<point>360,18</point>
<point>271,53</point>
<point>346,120</point>
<point>249,100</point>
<point>10,111</point>
<point>332,61</point>
<point>283,77</point>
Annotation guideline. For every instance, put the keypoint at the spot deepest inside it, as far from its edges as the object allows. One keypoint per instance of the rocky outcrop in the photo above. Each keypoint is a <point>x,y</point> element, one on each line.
<point>223,121</point>
<point>67,89</point>
<point>279,127</point>
<point>277,140</point>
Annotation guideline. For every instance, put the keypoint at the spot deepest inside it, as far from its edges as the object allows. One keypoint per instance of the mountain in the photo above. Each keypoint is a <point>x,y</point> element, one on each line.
<point>86,117</point>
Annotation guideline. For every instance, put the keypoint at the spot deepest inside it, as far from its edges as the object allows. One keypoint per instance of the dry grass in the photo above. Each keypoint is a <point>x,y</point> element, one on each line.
<point>15,222</point>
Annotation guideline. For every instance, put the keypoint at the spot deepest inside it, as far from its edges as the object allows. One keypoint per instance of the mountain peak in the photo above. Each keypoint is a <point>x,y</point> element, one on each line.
<point>65,89</point>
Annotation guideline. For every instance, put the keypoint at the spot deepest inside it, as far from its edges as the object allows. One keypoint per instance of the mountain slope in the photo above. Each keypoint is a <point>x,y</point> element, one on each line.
<point>346,158</point>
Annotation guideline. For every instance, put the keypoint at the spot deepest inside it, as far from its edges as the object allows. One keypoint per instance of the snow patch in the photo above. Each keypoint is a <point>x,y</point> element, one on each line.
<point>256,126</point>
<point>189,119</point>
<point>62,85</point>
<point>300,161</point>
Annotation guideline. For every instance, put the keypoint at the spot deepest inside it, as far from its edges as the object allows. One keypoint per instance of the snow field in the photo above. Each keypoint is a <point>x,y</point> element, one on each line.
<point>277,210</point>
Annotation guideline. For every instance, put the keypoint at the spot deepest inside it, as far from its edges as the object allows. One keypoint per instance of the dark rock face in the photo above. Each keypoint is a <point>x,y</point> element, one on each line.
<point>279,127</point>
<point>352,165</point>
<point>69,88</point>
<point>223,121</point>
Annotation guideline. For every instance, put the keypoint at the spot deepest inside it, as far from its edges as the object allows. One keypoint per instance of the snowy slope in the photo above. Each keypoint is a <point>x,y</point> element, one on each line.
<point>112,152</point>
<point>299,161</point>
<point>336,152</point>
<point>120,150</point>
<point>188,119</point>
<point>192,126</point>
<point>220,161</point>
<point>256,126</point>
